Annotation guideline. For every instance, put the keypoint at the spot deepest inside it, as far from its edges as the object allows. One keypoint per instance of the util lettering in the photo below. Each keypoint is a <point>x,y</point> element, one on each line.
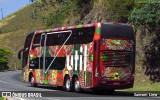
<point>81,58</point>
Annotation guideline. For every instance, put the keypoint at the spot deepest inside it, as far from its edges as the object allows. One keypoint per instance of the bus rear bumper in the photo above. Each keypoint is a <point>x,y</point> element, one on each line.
<point>103,84</point>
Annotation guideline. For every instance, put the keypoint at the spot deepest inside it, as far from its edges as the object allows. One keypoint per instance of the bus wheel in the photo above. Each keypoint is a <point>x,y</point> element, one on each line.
<point>67,84</point>
<point>98,91</point>
<point>32,82</point>
<point>77,87</point>
<point>110,91</point>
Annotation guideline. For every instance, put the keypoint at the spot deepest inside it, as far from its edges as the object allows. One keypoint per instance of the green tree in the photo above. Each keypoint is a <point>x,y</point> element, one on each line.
<point>147,18</point>
<point>63,10</point>
<point>3,58</point>
<point>119,10</point>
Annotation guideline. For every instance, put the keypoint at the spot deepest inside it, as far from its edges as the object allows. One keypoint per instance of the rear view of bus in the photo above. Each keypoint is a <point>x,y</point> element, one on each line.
<point>116,67</point>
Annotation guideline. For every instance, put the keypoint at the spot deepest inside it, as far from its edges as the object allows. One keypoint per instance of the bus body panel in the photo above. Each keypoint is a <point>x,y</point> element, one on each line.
<point>117,57</point>
<point>55,77</point>
<point>107,62</point>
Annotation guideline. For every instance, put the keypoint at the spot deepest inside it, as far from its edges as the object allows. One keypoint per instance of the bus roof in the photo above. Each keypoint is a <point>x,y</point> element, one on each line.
<point>119,30</point>
<point>77,26</point>
<point>66,28</point>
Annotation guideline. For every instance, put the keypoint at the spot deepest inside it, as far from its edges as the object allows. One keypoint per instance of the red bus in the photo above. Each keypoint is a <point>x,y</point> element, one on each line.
<point>98,56</point>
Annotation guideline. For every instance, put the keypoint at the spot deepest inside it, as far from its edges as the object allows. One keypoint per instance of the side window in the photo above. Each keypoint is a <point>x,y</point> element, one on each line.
<point>26,49</point>
<point>83,35</point>
<point>50,39</point>
<point>28,41</point>
<point>37,41</point>
<point>58,39</point>
<point>70,40</point>
<point>58,64</point>
<point>79,36</point>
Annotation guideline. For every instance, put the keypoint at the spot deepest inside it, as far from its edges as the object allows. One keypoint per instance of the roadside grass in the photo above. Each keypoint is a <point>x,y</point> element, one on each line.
<point>142,82</point>
<point>2,98</point>
<point>145,86</point>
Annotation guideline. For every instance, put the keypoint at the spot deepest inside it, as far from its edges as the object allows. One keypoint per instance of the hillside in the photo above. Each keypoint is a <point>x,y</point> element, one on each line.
<point>14,29</point>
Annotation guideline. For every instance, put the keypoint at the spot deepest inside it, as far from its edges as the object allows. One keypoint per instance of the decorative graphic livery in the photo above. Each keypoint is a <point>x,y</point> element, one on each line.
<point>98,56</point>
<point>117,64</point>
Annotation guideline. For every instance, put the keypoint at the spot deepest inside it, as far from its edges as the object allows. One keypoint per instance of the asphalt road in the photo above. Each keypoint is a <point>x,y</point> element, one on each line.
<point>11,81</point>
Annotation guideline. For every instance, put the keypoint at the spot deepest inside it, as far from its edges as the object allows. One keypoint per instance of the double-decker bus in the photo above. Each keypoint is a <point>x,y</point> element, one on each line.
<point>98,56</point>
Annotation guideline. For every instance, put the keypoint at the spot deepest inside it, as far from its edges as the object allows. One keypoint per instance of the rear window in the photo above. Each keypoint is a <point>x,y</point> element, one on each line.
<point>117,31</point>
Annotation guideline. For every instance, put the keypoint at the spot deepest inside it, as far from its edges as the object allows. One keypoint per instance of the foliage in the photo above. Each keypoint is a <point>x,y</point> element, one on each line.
<point>84,7</point>
<point>152,57</point>
<point>147,15</point>
<point>63,11</point>
<point>120,9</point>
<point>3,58</point>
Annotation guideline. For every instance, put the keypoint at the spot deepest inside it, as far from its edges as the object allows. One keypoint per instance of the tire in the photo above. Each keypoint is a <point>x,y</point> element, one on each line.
<point>32,82</point>
<point>102,91</point>
<point>98,91</point>
<point>76,84</point>
<point>110,91</point>
<point>67,84</point>
<point>60,87</point>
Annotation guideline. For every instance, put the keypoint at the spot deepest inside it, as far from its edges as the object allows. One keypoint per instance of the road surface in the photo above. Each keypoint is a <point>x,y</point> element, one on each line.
<point>11,81</point>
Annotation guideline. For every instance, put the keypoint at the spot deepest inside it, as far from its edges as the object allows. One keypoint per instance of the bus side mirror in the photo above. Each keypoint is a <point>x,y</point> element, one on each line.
<point>19,53</point>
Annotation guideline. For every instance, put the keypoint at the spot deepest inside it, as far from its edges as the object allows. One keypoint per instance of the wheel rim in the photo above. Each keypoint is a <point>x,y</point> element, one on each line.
<point>77,85</point>
<point>32,81</point>
<point>67,84</point>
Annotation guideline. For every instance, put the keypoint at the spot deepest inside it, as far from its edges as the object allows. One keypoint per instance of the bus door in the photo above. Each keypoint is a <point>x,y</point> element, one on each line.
<point>42,58</point>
